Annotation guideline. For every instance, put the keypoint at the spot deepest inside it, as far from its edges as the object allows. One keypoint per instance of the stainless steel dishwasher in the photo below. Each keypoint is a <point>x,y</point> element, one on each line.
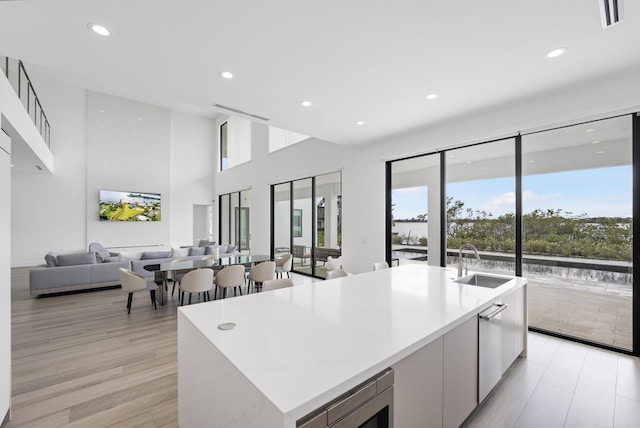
<point>489,348</point>
<point>369,405</point>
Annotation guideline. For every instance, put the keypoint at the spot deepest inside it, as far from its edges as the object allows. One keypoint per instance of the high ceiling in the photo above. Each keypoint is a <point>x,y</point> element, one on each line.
<point>355,60</point>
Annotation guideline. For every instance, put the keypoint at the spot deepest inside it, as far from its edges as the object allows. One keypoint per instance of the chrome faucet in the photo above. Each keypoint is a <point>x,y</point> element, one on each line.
<point>466,268</point>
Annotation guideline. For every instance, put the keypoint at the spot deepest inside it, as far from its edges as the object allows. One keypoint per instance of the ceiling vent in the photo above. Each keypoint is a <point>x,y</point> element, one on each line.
<point>240,112</point>
<point>611,12</point>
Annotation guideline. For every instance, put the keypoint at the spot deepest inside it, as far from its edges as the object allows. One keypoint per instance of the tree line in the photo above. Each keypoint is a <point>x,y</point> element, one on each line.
<point>552,232</point>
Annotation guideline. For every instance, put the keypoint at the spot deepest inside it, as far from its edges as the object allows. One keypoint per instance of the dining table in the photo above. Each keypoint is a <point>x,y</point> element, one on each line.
<point>162,270</point>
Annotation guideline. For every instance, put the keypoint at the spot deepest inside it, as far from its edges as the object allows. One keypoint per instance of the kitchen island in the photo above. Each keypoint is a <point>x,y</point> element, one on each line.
<point>293,350</point>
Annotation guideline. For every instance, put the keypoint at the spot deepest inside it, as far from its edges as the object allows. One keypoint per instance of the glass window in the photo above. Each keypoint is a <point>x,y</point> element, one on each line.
<point>281,138</point>
<point>235,142</point>
<point>224,159</point>
<point>281,205</point>
<point>415,188</point>
<point>577,230</point>
<point>480,206</point>
<point>235,220</point>
<point>328,222</point>
<point>307,221</point>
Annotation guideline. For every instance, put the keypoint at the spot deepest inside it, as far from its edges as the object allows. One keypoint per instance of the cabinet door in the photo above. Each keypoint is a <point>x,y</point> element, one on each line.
<point>519,321</point>
<point>418,388</point>
<point>460,383</point>
<point>508,320</point>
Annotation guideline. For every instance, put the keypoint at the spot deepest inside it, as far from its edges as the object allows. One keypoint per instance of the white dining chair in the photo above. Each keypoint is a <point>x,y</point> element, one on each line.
<point>274,284</point>
<point>230,277</point>
<point>336,273</point>
<point>380,265</point>
<point>196,281</point>
<point>259,273</point>
<point>131,283</point>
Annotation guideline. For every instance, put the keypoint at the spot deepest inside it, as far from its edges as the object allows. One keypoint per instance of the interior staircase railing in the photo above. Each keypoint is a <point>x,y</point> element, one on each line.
<point>17,76</point>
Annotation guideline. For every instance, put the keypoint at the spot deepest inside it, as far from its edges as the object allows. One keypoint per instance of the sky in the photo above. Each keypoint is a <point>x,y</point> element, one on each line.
<point>596,193</point>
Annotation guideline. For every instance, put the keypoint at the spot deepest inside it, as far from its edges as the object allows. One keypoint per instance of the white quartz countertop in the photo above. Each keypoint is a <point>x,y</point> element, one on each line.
<point>303,346</point>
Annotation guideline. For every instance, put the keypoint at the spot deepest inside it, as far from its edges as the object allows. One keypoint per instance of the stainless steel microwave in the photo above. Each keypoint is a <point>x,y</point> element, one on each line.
<point>369,405</point>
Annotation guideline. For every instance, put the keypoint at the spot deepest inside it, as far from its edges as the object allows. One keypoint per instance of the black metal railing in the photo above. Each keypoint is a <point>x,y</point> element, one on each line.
<point>17,76</point>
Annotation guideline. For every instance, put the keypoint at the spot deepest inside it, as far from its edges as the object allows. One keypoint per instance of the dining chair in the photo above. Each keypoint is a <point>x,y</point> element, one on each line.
<point>259,273</point>
<point>284,264</point>
<point>336,273</point>
<point>177,275</point>
<point>131,283</point>
<point>274,284</point>
<point>230,277</point>
<point>196,281</point>
<point>380,265</point>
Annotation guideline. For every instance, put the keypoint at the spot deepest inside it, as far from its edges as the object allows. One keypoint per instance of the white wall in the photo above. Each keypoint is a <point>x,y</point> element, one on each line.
<point>193,161</point>
<point>128,149</point>
<point>61,211</point>
<point>5,277</point>
<point>306,159</point>
<point>48,211</point>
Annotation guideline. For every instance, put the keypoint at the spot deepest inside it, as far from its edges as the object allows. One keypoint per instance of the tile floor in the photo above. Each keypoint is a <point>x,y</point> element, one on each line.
<point>564,384</point>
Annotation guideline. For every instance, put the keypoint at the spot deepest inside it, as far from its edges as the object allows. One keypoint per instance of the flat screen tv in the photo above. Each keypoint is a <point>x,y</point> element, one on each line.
<point>129,206</point>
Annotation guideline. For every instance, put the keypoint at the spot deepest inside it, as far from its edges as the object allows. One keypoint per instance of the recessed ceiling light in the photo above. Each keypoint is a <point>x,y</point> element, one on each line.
<point>99,29</point>
<point>600,152</point>
<point>306,104</point>
<point>595,142</point>
<point>589,130</point>
<point>531,161</point>
<point>556,52</point>
<point>359,122</point>
<point>469,162</point>
<point>431,96</point>
<point>227,74</point>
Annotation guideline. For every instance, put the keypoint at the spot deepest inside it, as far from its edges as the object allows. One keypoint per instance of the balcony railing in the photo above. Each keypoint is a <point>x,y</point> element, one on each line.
<point>17,76</point>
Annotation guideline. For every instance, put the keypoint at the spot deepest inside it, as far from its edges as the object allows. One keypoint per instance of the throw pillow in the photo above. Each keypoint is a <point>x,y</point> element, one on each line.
<point>130,255</point>
<point>51,259</point>
<point>204,243</point>
<point>210,249</point>
<point>88,258</point>
<point>151,255</point>
<point>197,251</point>
<point>231,249</point>
<point>179,252</point>
<point>223,249</point>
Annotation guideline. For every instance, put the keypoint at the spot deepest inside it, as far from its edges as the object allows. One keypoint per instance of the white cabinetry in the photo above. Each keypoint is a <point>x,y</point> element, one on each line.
<point>418,388</point>
<point>436,386</point>
<point>513,327</point>
<point>460,380</point>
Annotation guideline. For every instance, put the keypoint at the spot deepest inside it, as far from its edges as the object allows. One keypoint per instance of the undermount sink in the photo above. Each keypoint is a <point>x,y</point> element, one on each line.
<point>481,280</point>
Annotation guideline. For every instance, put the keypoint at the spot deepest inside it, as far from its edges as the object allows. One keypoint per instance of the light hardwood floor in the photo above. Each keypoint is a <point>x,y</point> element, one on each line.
<point>80,361</point>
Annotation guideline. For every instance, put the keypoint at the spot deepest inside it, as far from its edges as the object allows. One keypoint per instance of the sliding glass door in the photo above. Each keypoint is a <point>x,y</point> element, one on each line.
<point>577,229</point>
<point>235,220</point>
<point>480,206</point>
<point>555,206</point>
<point>415,201</point>
<point>306,221</point>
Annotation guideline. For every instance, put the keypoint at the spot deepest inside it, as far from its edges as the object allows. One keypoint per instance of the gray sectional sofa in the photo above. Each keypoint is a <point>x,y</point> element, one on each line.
<point>78,271</point>
<point>100,268</point>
